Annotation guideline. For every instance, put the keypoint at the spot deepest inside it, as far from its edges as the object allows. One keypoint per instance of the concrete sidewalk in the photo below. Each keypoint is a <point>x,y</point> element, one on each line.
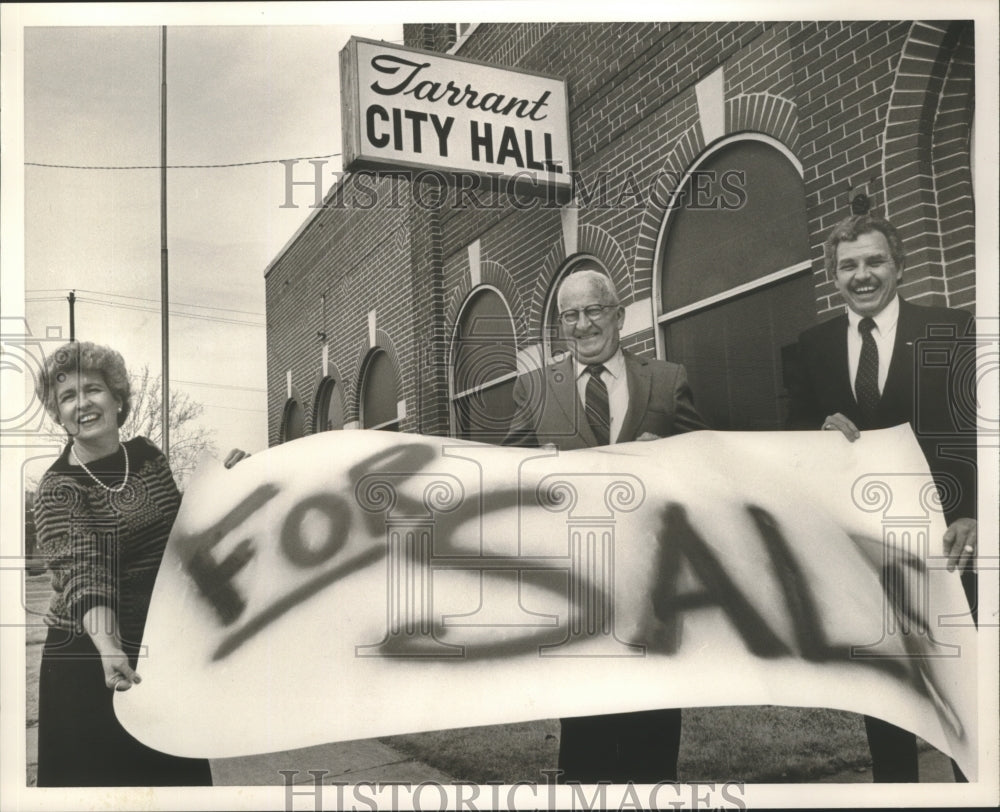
<point>342,762</point>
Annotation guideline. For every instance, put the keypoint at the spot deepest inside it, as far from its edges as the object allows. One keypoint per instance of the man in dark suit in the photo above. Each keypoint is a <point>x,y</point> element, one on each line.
<point>595,395</point>
<point>861,370</point>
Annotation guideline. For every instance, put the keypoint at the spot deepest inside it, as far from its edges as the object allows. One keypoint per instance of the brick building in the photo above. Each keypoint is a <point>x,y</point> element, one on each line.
<point>712,160</point>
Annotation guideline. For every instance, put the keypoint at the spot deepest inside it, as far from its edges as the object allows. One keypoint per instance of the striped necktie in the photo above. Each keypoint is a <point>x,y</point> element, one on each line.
<point>866,381</point>
<point>597,406</point>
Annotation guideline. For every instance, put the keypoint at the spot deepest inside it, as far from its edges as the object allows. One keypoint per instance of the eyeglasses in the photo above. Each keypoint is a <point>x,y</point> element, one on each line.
<point>592,312</point>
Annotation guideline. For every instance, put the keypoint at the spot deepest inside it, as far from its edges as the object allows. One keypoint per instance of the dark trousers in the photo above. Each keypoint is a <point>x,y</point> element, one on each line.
<point>640,747</point>
<point>894,752</point>
<point>80,740</point>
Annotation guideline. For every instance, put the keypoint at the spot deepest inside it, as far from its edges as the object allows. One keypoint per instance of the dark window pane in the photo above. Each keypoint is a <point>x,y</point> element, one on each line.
<point>485,415</point>
<point>485,349</point>
<point>484,344</point>
<point>379,395</point>
<point>485,304</point>
<point>293,423</point>
<point>330,412</point>
<point>742,216</point>
<point>733,353</point>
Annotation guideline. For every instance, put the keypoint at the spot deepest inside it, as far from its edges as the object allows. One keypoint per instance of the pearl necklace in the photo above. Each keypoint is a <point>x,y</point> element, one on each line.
<point>120,488</point>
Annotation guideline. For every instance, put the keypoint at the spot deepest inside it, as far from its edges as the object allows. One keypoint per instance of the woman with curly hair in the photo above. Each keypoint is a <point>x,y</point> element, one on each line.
<point>103,513</point>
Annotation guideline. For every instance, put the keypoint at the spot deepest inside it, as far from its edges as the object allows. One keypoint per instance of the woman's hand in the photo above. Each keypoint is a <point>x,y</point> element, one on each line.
<point>118,674</point>
<point>235,456</point>
<point>101,624</point>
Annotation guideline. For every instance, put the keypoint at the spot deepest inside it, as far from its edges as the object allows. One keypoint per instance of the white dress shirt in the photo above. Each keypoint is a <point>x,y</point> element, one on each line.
<point>614,377</point>
<point>884,335</point>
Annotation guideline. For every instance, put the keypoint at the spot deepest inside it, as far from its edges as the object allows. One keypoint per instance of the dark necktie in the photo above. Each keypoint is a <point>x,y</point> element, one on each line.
<point>598,409</point>
<point>866,381</point>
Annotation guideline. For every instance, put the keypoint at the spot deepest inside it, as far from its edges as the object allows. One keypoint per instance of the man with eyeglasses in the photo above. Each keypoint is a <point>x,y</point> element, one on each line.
<point>595,395</point>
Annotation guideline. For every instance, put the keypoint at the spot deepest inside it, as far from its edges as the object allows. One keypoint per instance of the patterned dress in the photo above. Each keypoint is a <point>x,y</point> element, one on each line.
<point>103,549</point>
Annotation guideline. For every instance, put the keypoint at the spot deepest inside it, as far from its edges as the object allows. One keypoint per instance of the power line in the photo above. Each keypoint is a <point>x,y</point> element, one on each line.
<point>233,408</point>
<point>144,299</point>
<point>124,306</point>
<point>221,386</point>
<point>182,166</point>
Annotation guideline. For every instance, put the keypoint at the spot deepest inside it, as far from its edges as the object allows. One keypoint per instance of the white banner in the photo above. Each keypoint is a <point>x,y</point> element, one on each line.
<point>355,584</point>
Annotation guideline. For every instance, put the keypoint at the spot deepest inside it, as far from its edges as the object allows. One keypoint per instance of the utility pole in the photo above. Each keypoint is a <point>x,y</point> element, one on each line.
<point>72,314</point>
<point>164,286</point>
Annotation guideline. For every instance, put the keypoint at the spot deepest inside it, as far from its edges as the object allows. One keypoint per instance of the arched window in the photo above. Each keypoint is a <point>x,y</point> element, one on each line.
<point>735,282</point>
<point>293,424</point>
<point>379,396</point>
<point>484,368</point>
<point>329,413</point>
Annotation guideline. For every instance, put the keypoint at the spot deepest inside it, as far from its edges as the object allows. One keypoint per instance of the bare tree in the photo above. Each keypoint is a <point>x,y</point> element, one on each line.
<point>188,440</point>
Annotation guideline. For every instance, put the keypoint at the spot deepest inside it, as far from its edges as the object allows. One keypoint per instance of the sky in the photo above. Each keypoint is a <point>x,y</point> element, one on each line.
<point>235,94</point>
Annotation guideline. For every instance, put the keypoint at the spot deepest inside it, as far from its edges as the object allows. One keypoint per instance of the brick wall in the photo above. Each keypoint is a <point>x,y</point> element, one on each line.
<point>357,259</point>
<point>430,36</point>
<point>851,101</point>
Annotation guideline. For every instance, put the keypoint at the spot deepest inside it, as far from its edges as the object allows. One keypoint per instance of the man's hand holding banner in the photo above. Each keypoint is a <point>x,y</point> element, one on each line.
<point>357,584</point>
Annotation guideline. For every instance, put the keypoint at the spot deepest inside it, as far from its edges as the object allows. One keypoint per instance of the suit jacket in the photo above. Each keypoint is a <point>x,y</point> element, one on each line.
<point>923,388</point>
<point>549,409</point>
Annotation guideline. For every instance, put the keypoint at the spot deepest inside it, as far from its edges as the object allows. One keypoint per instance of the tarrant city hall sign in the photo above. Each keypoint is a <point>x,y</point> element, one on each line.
<point>444,117</point>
